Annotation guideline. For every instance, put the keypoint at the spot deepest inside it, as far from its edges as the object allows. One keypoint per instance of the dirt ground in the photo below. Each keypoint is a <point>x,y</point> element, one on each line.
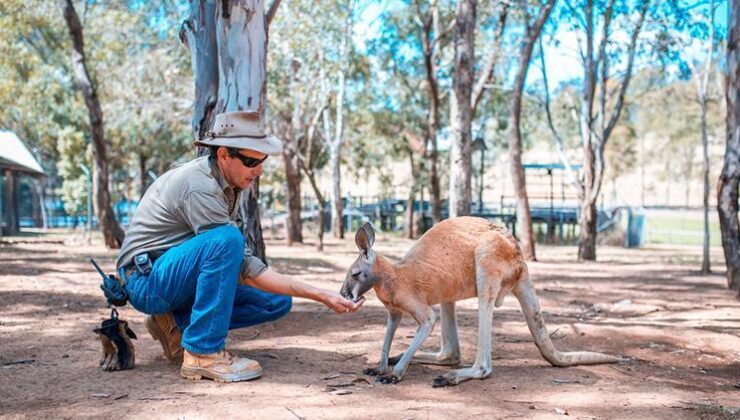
<point>680,330</point>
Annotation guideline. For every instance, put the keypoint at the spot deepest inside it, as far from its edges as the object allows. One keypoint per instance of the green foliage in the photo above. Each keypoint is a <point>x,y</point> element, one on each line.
<point>141,72</point>
<point>73,154</point>
<point>145,85</point>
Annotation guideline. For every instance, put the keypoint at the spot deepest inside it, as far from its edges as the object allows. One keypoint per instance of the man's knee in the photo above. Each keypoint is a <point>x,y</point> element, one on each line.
<point>229,238</point>
<point>281,306</point>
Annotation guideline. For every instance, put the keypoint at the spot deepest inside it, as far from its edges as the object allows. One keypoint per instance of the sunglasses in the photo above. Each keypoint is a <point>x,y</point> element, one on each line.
<point>250,162</point>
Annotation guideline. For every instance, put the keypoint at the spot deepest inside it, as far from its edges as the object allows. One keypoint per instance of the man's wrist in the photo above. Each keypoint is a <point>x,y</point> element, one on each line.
<point>314,293</point>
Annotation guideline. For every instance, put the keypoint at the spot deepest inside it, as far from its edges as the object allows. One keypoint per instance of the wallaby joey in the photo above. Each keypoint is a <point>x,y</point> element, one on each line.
<point>457,259</point>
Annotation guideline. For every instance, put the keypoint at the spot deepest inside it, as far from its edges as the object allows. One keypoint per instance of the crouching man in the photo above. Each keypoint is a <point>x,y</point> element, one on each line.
<point>184,262</point>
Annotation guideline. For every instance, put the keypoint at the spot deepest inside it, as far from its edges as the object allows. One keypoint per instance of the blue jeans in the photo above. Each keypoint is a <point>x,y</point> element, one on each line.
<point>198,281</point>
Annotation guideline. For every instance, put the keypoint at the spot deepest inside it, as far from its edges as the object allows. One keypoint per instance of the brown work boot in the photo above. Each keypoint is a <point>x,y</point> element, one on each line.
<point>163,328</point>
<point>221,367</point>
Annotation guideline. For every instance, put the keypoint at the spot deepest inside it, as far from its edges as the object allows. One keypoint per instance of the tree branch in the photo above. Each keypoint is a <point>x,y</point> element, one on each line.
<point>486,75</point>
<point>627,75</point>
<point>558,139</point>
<point>270,15</point>
<point>312,131</point>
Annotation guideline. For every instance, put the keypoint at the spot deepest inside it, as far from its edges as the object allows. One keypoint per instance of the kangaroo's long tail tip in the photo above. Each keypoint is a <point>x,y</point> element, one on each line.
<point>574,358</point>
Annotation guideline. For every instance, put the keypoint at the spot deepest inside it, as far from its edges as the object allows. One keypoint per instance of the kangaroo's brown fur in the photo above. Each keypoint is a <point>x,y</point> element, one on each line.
<point>457,259</point>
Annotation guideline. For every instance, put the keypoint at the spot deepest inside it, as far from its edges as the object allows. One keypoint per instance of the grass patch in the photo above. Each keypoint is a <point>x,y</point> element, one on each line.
<point>682,228</point>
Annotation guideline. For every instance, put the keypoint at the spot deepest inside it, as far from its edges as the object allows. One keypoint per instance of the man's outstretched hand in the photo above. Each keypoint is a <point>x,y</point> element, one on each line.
<point>338,303</point>
<point>274,282</point>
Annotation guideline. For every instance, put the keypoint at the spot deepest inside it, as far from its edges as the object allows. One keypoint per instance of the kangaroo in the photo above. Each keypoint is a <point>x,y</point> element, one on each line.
<point>457,259</point>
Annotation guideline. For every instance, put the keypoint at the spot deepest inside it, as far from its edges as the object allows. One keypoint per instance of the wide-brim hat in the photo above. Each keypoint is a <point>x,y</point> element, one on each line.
<point>241,130</point>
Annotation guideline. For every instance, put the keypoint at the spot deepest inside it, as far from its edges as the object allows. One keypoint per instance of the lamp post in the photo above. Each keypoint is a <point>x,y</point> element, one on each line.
<point>480,145</point>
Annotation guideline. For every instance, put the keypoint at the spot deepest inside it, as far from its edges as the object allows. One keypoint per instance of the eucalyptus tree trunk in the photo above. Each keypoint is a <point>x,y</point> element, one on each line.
<point>321,213</point>
<point>228,46</point>
<point>337,210</point>
<point>431,40</point>
<point>307,164</point>
<point>727,190</point>
<point>532,33</point>
<point>335,140</point>
<point>595,136</point>
<point>705,263</point>
<point>702,90</point>
<point>198,33</point>
<point>112,232</point>
<point>142,174</point>
<point>40,186</point>
<point>291,146</point>
<point>408,231</point>
<point>587,214</point>
<point>461,111</point>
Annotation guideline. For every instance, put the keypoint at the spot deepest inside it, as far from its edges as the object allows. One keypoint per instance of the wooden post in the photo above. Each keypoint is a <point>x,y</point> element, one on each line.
<point>11,203</point>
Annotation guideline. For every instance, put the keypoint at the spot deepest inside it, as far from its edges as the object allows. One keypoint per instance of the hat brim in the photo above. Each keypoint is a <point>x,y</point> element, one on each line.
<point>269,145</point>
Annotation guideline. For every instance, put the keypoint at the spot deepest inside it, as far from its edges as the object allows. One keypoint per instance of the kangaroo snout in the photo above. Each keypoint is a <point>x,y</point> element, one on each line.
<point>346,292</point>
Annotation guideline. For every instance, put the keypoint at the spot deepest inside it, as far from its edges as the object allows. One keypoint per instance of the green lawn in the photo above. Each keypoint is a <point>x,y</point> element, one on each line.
<point>676,227</point>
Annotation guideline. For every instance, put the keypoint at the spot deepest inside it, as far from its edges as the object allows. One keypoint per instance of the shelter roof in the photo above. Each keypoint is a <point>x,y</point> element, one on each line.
<point>16,156</point>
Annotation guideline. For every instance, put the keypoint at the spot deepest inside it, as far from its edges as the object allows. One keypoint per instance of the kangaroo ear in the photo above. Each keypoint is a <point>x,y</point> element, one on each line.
<point>365,237</point>
<point>368,228</point>
<point>361,240</point>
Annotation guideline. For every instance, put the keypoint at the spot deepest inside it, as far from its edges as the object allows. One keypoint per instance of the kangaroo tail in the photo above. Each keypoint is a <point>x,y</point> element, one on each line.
<point>524,292</point>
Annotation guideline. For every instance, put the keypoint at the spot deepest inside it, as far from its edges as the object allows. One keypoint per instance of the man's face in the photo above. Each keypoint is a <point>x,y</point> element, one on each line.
<point>235,170</point>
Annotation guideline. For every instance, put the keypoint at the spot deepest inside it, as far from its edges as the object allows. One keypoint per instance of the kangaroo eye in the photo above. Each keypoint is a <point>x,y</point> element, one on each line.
<point>355,275</point>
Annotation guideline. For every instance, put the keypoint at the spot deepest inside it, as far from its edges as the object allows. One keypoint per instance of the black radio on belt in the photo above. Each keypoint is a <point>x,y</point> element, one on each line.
<point>143,263</point>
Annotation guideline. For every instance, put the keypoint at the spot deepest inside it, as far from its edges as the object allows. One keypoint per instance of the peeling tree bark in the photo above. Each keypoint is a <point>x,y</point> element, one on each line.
<point>228,45</point>
<point>198,33</point>
<point>727,188</point>
<point>112,232</point>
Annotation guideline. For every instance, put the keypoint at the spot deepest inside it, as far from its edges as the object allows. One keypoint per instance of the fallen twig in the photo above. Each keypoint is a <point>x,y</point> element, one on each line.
<point>19,362</point>
<point>565,381</point>
<point>295,414</point>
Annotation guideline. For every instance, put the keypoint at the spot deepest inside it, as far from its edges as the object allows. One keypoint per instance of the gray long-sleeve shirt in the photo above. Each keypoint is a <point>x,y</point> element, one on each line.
<point>187,200</point>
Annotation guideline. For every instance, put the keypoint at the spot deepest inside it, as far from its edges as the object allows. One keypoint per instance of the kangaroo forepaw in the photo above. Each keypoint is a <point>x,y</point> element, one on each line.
<point>442,380</point>
<point>373,372</point>
<point>388,379</point>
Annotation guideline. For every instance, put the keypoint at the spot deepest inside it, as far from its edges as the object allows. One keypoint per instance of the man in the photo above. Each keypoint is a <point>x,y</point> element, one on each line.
<point>184,262</point>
